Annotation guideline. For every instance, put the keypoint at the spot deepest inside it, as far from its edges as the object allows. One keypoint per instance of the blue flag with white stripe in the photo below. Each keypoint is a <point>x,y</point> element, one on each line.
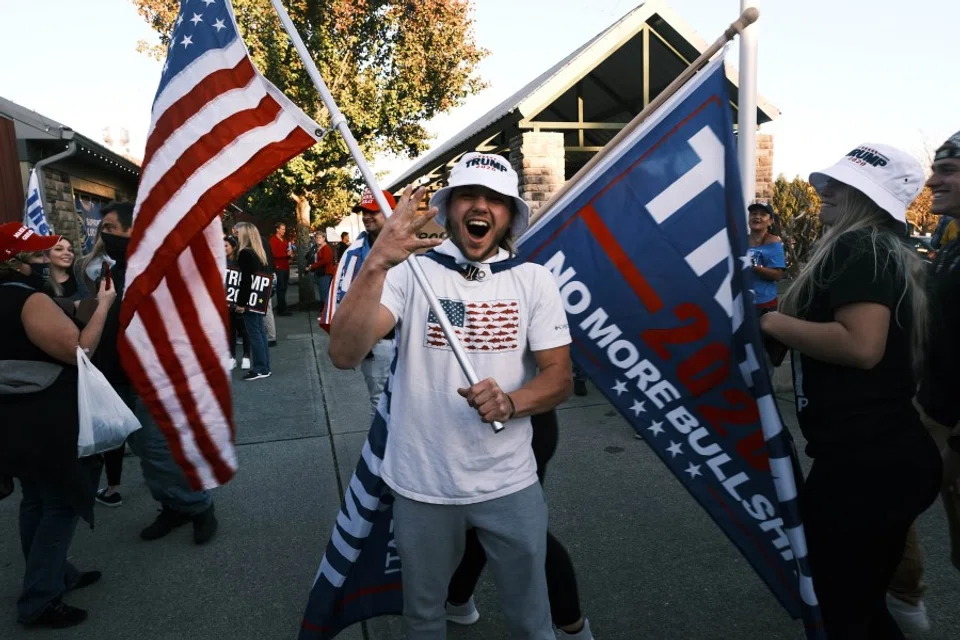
<point>34,216</point>
<point>649,248</point>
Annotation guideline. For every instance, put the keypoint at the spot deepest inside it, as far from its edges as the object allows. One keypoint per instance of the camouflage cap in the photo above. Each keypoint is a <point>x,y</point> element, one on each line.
<point>950,148</point>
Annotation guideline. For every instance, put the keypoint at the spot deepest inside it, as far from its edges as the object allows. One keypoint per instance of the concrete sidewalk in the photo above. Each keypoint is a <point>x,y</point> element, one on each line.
<point>650,562</point>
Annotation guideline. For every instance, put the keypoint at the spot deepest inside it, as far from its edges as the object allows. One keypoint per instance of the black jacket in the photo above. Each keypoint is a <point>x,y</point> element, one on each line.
<point>107,356</point>
<point>249,265</point>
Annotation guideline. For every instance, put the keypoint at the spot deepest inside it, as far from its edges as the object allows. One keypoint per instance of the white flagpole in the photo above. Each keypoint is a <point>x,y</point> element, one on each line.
<point>747,109</point>
<point>339,121</point>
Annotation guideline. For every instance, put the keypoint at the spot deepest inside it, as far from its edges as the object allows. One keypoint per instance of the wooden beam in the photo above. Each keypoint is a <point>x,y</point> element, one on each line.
<point>580,113</point>
<point>537,125</point>
<point>669,46</point>
<point>603,86</point>
<point>646,64</point>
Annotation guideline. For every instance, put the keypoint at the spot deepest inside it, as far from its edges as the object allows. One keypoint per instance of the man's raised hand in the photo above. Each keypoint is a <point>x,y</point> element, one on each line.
<point>398,238</point>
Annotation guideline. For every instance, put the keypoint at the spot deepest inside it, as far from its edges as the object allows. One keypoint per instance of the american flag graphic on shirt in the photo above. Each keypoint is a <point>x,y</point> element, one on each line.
<point>482,327</point>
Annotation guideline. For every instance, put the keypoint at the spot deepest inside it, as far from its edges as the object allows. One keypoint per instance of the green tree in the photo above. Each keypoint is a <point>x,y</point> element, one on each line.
<point>391,65</point>
<point>797,204</point>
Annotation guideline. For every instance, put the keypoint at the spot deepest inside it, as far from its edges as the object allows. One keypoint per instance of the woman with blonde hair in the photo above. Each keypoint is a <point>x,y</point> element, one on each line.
<point>252,260</point>
<point>856,319</point>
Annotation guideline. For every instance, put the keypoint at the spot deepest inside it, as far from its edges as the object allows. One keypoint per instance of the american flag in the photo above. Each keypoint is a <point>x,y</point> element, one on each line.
<point>482,327</point>
<point>217,128</point>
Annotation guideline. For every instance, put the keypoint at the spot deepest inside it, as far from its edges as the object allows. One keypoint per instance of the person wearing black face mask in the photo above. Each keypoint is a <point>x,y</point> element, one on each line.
<point>39,270</point>
<point>168,486</point>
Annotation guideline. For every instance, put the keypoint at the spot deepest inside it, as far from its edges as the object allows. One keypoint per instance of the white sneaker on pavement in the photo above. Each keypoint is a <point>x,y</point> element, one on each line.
<point>464,614</point>
<point>233,364</point>
<point>245,364</point>
<point>583,634</point>
<point>912,619</point>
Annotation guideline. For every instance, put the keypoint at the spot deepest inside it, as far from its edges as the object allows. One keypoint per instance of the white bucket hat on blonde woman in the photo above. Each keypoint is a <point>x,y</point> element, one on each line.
<point>486,170</point>
<point>888,176</point>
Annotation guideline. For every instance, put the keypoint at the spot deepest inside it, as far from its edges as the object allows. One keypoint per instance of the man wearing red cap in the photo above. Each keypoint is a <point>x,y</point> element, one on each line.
<point>376,366</point>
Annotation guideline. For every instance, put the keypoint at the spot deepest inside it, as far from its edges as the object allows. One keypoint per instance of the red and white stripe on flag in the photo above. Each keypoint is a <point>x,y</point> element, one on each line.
<point>217,129</point>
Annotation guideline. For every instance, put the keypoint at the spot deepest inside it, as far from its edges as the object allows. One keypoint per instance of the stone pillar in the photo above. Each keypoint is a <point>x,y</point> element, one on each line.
<point>538,159</point>
<point>764,167</point>
<point>60,206</point>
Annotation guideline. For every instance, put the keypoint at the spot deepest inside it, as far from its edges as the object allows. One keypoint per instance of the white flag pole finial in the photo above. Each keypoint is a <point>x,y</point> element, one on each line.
<point>747,108</point>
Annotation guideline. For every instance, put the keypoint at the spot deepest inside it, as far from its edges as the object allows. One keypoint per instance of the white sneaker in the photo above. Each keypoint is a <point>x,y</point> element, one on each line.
<point>233,364</point>
<point>245,364</point>
<point>912,620</point>
<point>465,614</point>
<point>583,634</point>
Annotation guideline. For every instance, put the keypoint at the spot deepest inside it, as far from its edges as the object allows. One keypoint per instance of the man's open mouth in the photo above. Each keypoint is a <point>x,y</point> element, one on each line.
<point>477,228</point>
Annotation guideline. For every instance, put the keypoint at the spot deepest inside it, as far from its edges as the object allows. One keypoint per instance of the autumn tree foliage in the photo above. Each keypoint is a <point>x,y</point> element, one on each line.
<point>797,206</point>
<point>391,66</point>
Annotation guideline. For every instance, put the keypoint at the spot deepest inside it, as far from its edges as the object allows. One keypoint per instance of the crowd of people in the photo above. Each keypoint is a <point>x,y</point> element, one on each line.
<point>871,328</point>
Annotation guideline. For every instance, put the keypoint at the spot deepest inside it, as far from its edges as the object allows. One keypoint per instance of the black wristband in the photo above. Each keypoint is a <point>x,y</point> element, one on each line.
<point>513,407</point>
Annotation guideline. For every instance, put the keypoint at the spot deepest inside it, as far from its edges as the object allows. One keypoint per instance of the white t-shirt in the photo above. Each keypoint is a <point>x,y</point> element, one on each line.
<point>438,450</point>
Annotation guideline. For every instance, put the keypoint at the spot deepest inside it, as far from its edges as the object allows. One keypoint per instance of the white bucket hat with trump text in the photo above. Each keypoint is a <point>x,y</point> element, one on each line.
<point>486,170</point>
<point>886,175</point>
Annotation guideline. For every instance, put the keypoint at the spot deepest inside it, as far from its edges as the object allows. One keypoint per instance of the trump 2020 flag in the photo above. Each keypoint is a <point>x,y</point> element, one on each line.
<point>34,216</point>
<point>649,251</point>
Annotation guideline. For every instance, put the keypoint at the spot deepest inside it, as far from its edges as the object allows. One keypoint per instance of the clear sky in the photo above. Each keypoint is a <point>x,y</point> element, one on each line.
<point>841,72</point>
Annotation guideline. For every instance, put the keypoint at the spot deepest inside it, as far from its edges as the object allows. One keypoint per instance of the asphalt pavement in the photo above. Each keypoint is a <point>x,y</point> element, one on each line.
<point>650,562</point>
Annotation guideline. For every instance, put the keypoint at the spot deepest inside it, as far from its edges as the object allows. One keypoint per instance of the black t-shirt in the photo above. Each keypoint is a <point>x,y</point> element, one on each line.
<point>837,406</point>
<point>942,357</point>
<point>15,344</point>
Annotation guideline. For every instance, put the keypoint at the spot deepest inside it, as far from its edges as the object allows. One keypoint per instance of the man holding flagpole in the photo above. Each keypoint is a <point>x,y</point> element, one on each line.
<point>452,471</point>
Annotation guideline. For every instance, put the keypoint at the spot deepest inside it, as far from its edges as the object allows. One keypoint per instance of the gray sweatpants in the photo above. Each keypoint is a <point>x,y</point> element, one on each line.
<point>513,531</point>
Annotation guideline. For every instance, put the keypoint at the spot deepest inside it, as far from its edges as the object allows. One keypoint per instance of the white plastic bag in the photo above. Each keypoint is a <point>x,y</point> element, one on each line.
<point>105,420</point>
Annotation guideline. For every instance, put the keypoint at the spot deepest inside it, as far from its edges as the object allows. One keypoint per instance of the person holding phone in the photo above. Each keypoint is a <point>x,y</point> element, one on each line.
<point>38,441</point>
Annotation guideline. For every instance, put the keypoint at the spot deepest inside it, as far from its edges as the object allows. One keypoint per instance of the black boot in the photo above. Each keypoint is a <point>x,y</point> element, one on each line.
<point>580,387</point>
<point>204,526</point>
<point>167,521</point>
<point>58,615</point>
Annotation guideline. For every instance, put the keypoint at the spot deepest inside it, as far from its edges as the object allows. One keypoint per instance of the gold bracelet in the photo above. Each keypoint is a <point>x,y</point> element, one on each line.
<point>513,407</point>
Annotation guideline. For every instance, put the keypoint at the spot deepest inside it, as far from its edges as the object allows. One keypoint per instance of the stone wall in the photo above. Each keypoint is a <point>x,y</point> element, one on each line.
<point>764,166</point>
<point>60,206</point>
<point>538,158</point>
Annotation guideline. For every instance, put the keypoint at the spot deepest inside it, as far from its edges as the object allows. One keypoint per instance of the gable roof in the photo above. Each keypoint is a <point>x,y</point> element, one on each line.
<point>543,91</point>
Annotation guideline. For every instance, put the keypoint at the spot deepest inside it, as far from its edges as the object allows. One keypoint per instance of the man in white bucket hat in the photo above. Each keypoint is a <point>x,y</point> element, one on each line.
<point>448,470</point>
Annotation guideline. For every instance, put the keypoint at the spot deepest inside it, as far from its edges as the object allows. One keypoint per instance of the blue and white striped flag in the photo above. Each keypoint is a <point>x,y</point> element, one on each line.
<point>34,216</point>
<point>359,576</point>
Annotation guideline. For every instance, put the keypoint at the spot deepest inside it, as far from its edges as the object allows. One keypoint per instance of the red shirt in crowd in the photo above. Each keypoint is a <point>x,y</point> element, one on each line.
<point>278,248</point>
<point>325,264</point>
